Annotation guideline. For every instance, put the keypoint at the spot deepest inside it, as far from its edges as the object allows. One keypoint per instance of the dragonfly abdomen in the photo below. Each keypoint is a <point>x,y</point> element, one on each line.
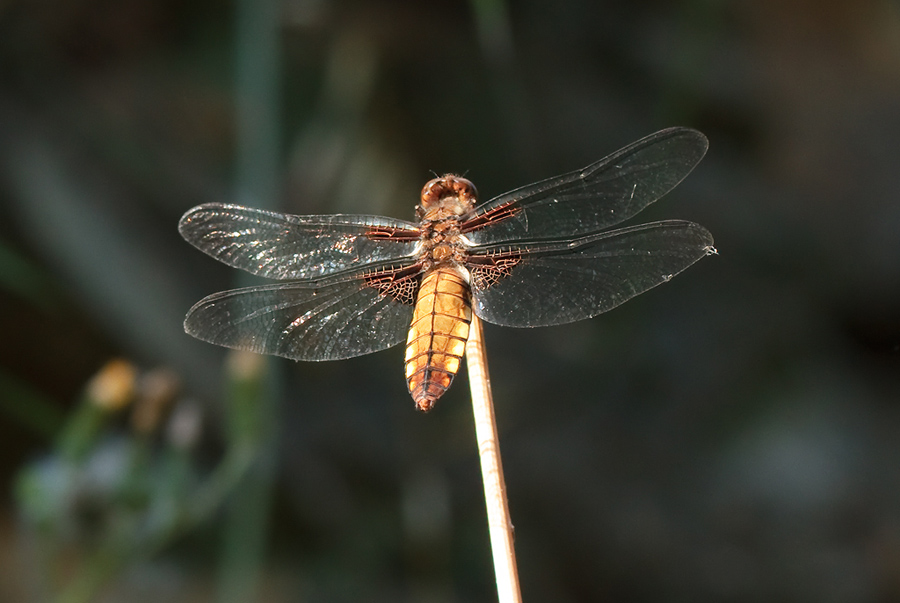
<point>437,335</point>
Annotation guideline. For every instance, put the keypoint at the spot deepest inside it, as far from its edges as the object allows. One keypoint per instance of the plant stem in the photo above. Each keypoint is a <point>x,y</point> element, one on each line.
<point>499,524</point>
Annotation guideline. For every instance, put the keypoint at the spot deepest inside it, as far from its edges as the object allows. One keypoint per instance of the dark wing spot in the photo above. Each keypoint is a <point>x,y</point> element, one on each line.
<point>492,216</point>
<point>401,285</point>
<point>488,270</point>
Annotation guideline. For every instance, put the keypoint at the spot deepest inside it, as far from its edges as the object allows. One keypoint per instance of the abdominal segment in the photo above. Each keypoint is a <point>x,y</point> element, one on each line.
<point>437,336</point>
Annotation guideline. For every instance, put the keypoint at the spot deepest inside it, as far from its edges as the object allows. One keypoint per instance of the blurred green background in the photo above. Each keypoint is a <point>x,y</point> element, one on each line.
<point>732,435</point>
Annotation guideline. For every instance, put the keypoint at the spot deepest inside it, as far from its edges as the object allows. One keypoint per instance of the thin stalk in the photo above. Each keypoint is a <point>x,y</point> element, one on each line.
<point>257,165</point>
<point>499,523</point>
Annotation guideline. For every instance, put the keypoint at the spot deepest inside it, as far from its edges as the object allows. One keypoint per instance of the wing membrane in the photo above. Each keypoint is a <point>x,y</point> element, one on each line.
<point>329,319</point>
<point>283,246</point>
<point>557,283</point>
<point>589,200</point>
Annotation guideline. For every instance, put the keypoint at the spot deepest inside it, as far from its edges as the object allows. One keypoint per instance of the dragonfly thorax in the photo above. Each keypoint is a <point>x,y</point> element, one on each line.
<point>442,243</point>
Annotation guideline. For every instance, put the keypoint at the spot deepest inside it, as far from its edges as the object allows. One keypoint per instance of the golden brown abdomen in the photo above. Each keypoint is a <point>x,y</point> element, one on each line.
<point>437,336</point>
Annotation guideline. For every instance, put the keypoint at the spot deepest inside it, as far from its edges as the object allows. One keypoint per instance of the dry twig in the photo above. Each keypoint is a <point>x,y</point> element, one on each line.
<point>499,524</point>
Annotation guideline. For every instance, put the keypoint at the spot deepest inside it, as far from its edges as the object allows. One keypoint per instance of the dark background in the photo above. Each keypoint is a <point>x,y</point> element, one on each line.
<point>730,436</point>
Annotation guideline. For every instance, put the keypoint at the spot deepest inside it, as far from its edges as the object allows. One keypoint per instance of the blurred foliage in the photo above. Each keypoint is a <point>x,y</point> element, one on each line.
<point>731,435</point>
<point>107,498</point>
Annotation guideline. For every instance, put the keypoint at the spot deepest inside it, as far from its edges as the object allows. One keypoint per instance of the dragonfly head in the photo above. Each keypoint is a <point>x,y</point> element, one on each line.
<point>446,196</point>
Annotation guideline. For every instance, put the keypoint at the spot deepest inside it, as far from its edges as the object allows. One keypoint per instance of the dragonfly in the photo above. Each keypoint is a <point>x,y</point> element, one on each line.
<point>542,254</point>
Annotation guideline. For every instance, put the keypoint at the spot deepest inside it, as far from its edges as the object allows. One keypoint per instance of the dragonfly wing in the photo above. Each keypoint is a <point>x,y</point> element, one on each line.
<point>539,284</point>
<point>329,319</point>
<point>594,198</point>
<point>283,246</point>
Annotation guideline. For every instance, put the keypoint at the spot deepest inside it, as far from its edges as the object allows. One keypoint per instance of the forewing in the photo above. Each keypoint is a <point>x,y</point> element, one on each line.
<point>594,198</point>
<point>330,319</point>
<point>283,246</point>
<point>549,284</point>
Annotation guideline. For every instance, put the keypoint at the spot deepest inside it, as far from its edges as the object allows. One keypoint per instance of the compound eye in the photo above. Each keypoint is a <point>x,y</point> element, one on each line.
<point>464,188</point>
<point>448,186</point>
<point>433,191</point>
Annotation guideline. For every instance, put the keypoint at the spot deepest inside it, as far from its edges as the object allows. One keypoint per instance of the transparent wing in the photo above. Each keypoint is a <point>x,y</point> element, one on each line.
<point>284,247</point>
<point>329,319</point>
<point>555,283</point>
<point>589,200</point>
